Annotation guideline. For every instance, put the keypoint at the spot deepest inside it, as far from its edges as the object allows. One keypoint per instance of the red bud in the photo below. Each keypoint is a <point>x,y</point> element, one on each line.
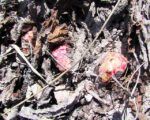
<point>112,63</point>
<point>62,61</point>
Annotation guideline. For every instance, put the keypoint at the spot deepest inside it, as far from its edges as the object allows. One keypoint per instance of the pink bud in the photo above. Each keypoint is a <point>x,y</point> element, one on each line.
<point>62,61</point>
<point>112,63</point>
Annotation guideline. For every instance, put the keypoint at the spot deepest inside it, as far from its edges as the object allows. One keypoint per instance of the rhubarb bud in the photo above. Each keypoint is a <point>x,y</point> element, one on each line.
<point>112,64</point>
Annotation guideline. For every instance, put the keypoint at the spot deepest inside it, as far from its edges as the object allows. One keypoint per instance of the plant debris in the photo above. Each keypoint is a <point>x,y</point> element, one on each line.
<point>74,59</point>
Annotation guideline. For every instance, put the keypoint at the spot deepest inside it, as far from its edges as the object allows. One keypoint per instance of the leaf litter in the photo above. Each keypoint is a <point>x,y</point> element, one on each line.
<point>74,59</point>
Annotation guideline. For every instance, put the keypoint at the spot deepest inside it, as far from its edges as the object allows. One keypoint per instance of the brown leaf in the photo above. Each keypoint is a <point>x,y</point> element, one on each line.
<point>52,21</point>
<point>58,32</point>
<point>28,40</point>
<point>38,47</point>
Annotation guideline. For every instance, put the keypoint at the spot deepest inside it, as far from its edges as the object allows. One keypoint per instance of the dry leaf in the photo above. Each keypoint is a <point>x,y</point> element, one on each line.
<point>58,32</point>
<point>28,36</point>
<point>28,42</point>
<point>112,64</point>
<point>38,47</point>
<point>60,55</point>
<point>52,21</point>
<point>34,89</point>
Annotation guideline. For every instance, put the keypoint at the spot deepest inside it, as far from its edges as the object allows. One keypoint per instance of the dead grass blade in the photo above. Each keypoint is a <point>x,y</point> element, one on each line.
<point>27,62</point>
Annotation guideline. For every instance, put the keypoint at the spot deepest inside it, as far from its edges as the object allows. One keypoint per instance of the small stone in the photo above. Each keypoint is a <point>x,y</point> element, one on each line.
<point>14,65</point>
<point>88,97</point>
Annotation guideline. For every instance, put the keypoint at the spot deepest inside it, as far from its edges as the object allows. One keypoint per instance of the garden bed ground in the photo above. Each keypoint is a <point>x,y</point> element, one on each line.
<point>75,59</point>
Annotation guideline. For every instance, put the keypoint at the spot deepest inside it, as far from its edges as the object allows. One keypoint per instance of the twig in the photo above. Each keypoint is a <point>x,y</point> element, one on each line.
<point>6,53</point>
<point>124,113</point>
<point>136,107</point>
<point>134,74</point>
<point>137,81</point>
<point>125,89</point>
<point>96,96</point>
<point>84,54</point>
